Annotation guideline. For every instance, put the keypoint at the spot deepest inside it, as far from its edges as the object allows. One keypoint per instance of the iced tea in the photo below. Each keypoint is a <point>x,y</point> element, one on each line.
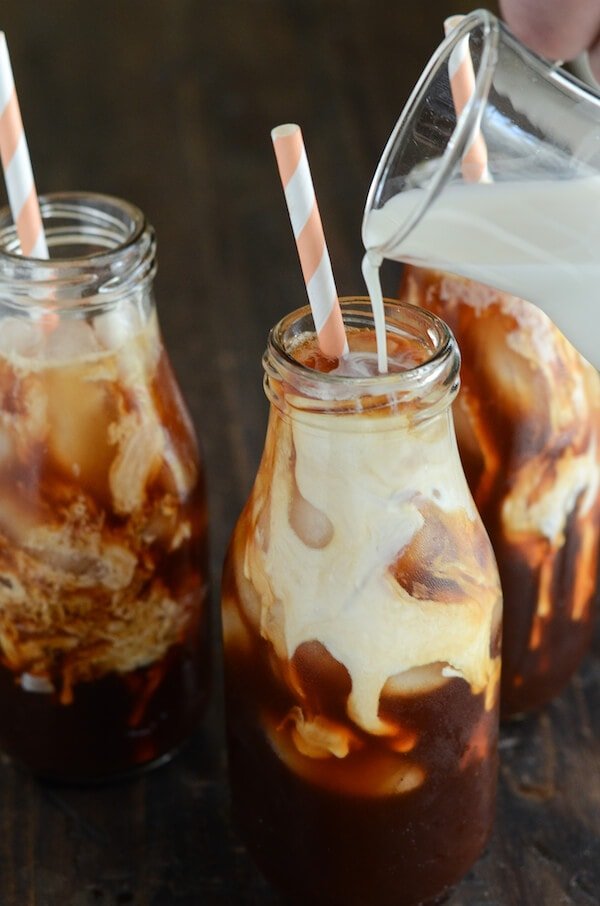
<point>102,523</point>
<point>361,615</point>
<point>528,426</point>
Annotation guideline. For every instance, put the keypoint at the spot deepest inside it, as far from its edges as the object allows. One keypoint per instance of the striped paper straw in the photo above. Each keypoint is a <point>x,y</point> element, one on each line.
<point>462,85</point>
<point>310,240</point>
<point>16,163</point>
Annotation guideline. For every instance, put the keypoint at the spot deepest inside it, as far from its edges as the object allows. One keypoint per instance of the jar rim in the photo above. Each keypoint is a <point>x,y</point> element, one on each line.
<point>120,252</point>
<point>441,365</point>
<point>64,203</point>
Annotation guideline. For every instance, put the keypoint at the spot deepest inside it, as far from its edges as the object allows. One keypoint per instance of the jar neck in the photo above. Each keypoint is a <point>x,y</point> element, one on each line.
<point>412,395</point>
<point>101,250</point>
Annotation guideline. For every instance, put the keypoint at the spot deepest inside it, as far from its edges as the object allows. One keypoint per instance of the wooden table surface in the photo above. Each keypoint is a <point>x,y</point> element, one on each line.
<point>170,104</point>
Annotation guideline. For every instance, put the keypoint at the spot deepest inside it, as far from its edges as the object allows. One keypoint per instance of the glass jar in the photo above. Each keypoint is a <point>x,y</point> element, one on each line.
<point>528,426</point>
<point>361,620</point>
<point>103,570</point>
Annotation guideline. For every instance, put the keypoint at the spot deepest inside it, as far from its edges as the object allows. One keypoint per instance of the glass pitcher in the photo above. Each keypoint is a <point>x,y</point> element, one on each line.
<point>103,572</point>
<point>531,226</point>
<point>361,621</point>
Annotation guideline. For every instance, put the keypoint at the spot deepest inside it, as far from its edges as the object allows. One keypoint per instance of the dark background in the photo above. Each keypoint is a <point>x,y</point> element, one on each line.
<point>170,104</point>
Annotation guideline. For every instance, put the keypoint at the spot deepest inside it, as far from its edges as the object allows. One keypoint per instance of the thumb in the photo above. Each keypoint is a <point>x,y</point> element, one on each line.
<point>593,62</point>
<point>587,66</point>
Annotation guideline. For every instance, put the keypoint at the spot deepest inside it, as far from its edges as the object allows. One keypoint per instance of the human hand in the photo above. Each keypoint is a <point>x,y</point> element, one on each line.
<point>557,29</point>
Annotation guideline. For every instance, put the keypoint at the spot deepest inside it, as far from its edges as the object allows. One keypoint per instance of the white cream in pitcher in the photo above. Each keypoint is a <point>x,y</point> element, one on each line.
<point>537,239</point>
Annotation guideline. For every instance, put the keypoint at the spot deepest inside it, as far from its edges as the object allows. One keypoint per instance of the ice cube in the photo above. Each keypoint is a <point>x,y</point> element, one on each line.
<point>408,778</point>
<point>20,336</point>
<point>140,448</point>
<point>80,412</point>
<point>311,525</point>
<point>114,328</point>
<point>417,681</point>
<point>71,340</point>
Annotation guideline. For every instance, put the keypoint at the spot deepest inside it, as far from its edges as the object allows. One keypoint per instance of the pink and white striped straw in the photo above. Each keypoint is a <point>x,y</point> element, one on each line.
<point>310,239</point>
<point>462,84</point>
<point>16,164</point>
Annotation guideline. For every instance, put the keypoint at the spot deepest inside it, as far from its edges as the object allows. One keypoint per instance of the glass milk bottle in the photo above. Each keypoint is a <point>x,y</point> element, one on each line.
<point>103,663</point>
<point>528,426</point>
<point>361,619</point>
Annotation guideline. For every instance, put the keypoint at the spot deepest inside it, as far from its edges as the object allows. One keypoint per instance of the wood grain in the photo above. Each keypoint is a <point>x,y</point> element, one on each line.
<point>170,105</point>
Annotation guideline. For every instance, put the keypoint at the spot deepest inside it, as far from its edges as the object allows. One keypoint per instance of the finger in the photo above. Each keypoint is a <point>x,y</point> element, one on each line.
<point>594,60</point>
<point>559,30</point>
